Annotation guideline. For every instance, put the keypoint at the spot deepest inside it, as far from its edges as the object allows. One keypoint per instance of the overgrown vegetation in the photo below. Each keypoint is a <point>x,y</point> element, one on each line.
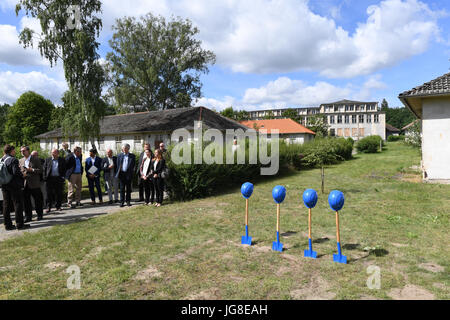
<point>191,181</point>
<point>395,138</point>
<point>371,144</point>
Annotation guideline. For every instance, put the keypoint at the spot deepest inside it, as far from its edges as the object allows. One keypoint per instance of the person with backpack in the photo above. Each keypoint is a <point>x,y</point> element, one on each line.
<point>11,179</point>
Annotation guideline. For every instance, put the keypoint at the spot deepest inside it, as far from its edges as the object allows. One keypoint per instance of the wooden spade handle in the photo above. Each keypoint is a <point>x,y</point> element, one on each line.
<point>309,223</point>
<point>337,227</point>
<point>278,217</point>
<point>246,212</point>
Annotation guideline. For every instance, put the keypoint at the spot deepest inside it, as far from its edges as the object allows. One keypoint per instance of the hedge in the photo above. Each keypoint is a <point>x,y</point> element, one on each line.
<point>370,144</point>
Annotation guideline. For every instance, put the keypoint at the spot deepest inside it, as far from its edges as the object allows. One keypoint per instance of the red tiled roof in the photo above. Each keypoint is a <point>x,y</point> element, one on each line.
<point>283,125</point>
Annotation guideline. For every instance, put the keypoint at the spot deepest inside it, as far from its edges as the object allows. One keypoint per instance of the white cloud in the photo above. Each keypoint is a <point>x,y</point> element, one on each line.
<point>285,92</point>
<point>13,84</point>
<point>265,36</point>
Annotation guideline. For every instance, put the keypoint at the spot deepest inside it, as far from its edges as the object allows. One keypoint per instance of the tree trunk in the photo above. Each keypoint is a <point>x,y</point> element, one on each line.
<point>323,179</point>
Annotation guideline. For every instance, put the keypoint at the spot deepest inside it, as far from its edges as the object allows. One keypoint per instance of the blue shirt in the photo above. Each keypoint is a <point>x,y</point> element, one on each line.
<point>77,165</point>
<point>55,171</point>
<point>125,163</point>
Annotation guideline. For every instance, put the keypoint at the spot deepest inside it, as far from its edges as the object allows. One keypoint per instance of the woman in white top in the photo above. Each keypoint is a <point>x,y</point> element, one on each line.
<point>146,176</point>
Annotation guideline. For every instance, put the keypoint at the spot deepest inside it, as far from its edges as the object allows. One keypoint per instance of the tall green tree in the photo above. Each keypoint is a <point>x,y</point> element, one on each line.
<point>240,115</point>
<point>27,118</point>
<point>69,32</point>
<point>384,105</point>
<point>318,124</point>
<point>269,116</point>
<point>291,114</point>
<point>156,64</point>
<point>4,109</point>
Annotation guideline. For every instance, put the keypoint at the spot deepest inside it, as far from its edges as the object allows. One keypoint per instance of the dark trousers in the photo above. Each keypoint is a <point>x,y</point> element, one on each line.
<point>55,186</point>
<point>141,188</point>
<point>38,202</point>
<point>12,198</point>
<point>149,187</point>
<point>96,182</point>
<point>159,189</point>
<point>125,188</point>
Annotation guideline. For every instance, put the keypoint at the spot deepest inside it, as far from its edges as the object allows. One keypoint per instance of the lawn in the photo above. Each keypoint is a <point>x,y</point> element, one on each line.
<point>192,250</point>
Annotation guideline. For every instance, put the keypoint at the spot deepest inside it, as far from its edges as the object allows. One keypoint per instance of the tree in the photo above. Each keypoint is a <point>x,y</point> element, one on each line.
<point>318,124</point>
<point>155,64</point>
<point>4,109</point>
<point>269,116</point>
<point>384,105</point>
<point>69,34</point>
<point>241,115</point>
<point>291,114</point>
<point>26,118</point>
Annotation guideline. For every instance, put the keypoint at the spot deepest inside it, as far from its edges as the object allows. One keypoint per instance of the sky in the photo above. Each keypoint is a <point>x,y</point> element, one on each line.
<point>271,53</point>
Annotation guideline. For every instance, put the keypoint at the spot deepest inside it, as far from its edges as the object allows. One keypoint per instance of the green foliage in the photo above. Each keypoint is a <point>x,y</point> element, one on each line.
<point>291,114</point>
<point>414,136</point>
<point>155,64</point>
<point>395,138</point>
<point>397,117</point>
<point>26,118</point>
<point>269,116</point>
<point>351,141</point>
<point>369,144</point>
<point>76,46</point>
<point>4,109</point>
<point>191,181</point>
<point>241,115</point>
<point>318,124</point>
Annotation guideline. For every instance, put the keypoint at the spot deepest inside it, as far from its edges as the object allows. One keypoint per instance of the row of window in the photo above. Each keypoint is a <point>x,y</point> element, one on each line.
<point>355,132</point>
<point>370,107</point>
<point>354,118</point>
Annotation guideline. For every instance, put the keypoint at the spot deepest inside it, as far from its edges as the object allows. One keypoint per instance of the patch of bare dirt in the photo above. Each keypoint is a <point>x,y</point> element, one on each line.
<point>411,292</point>
<point>132,262</point>
<point>283,270</point>
<point>263,249</point>
<point>6,268</point>
<point>399,245</point>
<point>148,274</point>
<point>439,285</point>
<point>433,267</point>
<point>316,289</point>
<point>209,294</point>
<point>55,265</point>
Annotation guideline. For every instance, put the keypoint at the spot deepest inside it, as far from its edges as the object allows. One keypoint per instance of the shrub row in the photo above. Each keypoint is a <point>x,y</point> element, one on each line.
<point>191,181</point>
<point>395,138</point>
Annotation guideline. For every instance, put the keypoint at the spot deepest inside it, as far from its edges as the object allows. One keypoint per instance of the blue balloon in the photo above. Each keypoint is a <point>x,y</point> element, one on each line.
<point>310,198</point>
<point>336,200</point>
<point>278,194</point>
<point>247,190</point>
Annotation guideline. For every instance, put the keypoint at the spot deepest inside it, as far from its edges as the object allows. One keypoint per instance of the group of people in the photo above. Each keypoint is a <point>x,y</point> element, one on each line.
<point>30,173</point>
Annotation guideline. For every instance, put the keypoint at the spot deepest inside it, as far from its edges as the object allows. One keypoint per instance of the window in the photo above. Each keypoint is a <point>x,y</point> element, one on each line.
<point>369,118</point>
<point>376,118</point>
<point>332,132</point>
<point>71,143</point>
<point>339,132</point>
<point>336,108</point>
<point>118,143</point>
<point>362,107</point>
<point>347,119</point>
<point>101,144</point>
<point>137,143</point>
<point>352,108</point>
<point>347,132</point>
<point>354,118</point>
<point>347,108</point>
<point>339,119</point>
<point>354,132</point>
<point>331,119</point>
<point>361,132</point>
<point>361,118</point>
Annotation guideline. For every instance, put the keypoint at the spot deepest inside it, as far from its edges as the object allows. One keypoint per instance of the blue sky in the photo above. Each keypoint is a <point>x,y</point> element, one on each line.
<point>273,53</point>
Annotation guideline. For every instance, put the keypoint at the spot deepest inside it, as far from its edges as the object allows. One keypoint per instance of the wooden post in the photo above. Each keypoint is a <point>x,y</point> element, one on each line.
<point>381,146</point>
<point>278,217</point>
<point>246,212</point>
<point>309,223</point>
<point>337,228</point>
<point>323,179</point>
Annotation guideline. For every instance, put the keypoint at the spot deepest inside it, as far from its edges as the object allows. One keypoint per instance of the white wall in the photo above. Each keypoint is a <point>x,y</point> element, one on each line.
<point>436,138</point>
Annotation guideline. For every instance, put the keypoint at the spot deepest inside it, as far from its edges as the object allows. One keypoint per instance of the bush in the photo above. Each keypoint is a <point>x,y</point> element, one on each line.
<point>191,181</point>
<point>351,141</point>
<point>370,144</point>
<point>395,138</point>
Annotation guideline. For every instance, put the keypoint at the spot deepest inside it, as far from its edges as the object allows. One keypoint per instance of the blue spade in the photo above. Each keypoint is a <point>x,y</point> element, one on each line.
<point>278,194</point>
<point>246,190</point>
<point>310,201</point>
<point>336,201</point>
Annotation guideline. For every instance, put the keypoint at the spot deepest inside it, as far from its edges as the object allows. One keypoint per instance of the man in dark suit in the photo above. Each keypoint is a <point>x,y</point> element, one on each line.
<point>140,180</point>
<point>109,165</point>
<point>93,176</point>
<point>74,171</point>
<point>13,190</point>
<point>31,169</point>
<point>54,173</point>
<point>126,162</point>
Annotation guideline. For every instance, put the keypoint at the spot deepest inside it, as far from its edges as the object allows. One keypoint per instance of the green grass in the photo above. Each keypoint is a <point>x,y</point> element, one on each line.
<point>194,248</point>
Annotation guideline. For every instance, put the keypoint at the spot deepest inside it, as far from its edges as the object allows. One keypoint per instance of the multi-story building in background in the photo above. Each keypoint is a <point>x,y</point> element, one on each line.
<point>346,118</point>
